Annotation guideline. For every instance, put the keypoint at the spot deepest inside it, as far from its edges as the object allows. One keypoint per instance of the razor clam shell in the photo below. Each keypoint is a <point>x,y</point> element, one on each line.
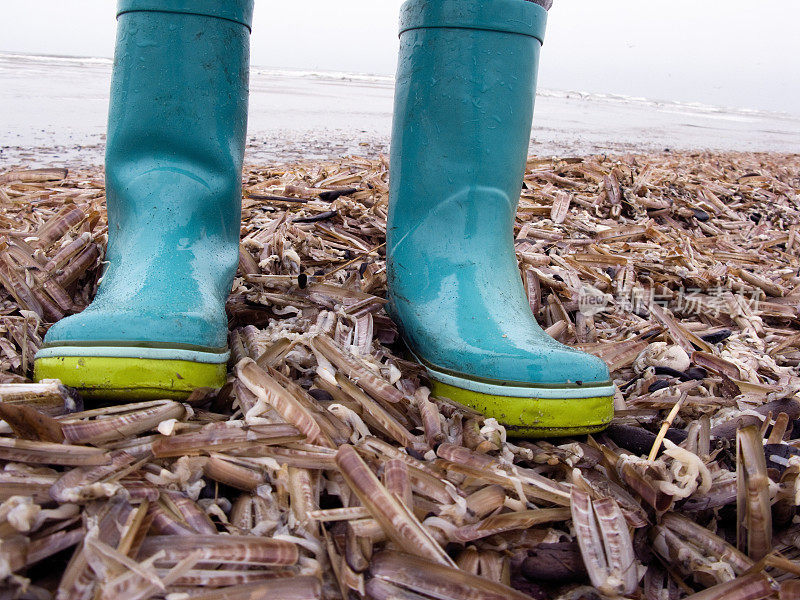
<point>226,470</point>
<point>431,421</point>
<point>49,397</point>
<point>36,486</point>
<point>30,424</point>
<point>437,580</point>
<point>382,416</point>
<point>309,457</point>
<point>483,466</point>
<point>285,588</point>
<point>227,549</point>
<point>213,578</point>
<point>223,436</point>
<point>753,508</point>
<point>361,375</point>
<point>397,481</point>
<point>136,419</point>
<point>31,175</point>
<point>47,546</point>
<point>603,487</point>
<point>590,539</point>
<point>166,522</point>
<point>618,544</point>
<point>269,390</point>
<point>87,483</point>
<point>712,544</point>
<point>189,512</point>
<point>378,589</point>
<point>753,586</point>
<point>47,453</point>
<point>510,521</point>
<point>486,500</point>
<point>251,511</point>
<point>78,580</point>
<point>399,524</point>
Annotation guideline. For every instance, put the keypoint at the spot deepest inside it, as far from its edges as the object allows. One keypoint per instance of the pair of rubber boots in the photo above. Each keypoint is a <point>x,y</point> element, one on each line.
<point>176,134</point>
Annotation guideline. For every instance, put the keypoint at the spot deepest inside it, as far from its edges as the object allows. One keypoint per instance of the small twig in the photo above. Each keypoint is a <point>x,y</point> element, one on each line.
<point>666,425</point>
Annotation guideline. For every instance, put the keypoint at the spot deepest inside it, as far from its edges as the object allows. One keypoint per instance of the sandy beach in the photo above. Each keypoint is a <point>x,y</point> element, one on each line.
<point>53,112</point>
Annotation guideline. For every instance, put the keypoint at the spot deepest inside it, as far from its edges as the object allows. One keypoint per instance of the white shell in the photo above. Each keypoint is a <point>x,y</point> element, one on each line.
<point>660,354</point>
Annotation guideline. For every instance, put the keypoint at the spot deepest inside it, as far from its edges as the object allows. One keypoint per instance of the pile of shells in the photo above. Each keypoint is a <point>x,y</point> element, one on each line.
<point>324,468</point>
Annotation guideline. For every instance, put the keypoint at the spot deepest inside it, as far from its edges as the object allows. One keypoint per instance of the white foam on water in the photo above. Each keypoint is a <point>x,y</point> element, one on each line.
<point>388,80</point>
<point>323,75</point>
<point>53,58</point>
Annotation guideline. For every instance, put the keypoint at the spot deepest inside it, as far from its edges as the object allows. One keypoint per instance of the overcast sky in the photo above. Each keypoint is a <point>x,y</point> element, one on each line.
<point>726,52</point>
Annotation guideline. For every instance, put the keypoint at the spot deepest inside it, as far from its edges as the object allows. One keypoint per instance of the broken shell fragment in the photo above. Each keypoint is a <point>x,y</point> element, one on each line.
<point>661,354</point>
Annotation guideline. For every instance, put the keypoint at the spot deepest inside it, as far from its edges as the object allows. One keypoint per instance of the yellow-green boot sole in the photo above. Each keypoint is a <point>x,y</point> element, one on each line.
<point>128,379</point>
<point>525,417</point>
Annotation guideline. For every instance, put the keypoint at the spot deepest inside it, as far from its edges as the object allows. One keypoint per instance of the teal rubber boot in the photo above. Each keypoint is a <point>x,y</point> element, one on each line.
<point>175,146</point>
<point>462,119</point>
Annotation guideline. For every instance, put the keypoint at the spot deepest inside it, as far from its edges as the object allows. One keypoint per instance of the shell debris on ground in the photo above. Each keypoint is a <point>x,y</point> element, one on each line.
<point>325,468</point>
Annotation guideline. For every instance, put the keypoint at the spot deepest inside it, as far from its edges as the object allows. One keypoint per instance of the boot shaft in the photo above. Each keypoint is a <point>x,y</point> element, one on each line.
<point>178,116</point>
<point>464,95</point>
